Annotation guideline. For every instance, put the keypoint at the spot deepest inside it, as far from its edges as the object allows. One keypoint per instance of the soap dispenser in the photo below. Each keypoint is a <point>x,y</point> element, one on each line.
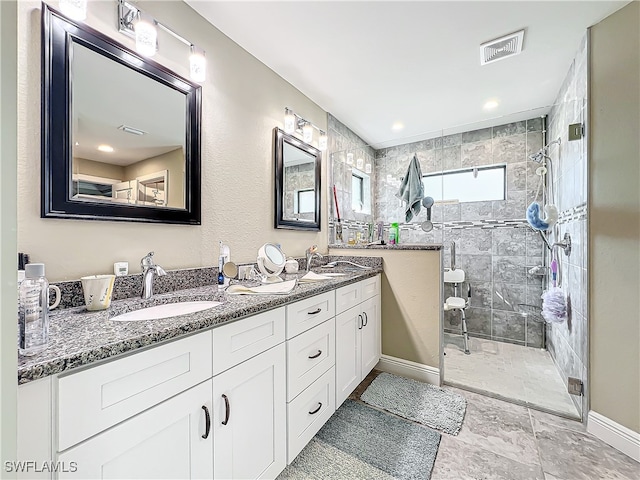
<point>224,257</point>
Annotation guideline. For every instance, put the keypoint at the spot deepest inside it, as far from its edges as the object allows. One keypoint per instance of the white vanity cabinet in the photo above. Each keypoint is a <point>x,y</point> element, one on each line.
<point>165,442</point>
<point>237,401</point>
<point>358,337</point>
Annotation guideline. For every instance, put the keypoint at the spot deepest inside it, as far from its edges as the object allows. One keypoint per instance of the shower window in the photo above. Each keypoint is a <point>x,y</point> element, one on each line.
<point>467,185</point>
<point>304,201</point>
<point>360,192</point>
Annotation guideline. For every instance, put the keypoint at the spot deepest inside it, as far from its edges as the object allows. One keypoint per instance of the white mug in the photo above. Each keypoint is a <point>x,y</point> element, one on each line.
<point>97,291</point>
<point>56,302</point>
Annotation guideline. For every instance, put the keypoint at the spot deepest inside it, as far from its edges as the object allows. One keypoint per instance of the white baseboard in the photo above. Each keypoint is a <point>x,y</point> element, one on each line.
<point>618,436</point>
<point>407,368</point>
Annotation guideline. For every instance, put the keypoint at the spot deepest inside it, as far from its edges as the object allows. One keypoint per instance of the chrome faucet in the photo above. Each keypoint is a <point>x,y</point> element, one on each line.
<point>148,271</point>
<point>310,253</point>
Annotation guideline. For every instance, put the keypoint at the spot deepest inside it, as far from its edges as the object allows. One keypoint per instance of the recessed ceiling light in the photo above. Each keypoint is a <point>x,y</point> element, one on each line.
<point>396,127</point>
<point>490,105</point>
<point>105,148</point>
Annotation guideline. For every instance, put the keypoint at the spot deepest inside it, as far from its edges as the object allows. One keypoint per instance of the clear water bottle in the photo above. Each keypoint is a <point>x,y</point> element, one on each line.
<point>33,310</point>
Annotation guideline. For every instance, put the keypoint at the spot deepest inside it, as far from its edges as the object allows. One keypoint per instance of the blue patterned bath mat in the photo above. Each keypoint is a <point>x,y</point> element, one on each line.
<point>418,401</point>
<point>360,442</point>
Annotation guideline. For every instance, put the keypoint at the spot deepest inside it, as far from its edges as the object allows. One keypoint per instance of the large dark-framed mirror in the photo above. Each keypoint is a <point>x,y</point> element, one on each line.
<point>297,183</point>
<point>120,133</point>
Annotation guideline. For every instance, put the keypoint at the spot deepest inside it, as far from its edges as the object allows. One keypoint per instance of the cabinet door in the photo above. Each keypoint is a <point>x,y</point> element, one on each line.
<point>162,442</point>
<point>348,347</point>
<point>250,399</point>
<point>370,334</point>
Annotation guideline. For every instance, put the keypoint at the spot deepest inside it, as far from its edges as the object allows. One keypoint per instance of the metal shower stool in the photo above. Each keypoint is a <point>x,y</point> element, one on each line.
<point>456,277</point>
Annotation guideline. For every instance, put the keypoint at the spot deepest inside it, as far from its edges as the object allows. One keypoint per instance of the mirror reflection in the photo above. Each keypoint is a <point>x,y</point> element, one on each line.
<point>299,184</point>
<point>128,142</point>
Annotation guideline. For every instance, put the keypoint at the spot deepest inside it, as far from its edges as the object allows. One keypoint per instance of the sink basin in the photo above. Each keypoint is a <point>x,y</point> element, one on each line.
<point>165,311</point>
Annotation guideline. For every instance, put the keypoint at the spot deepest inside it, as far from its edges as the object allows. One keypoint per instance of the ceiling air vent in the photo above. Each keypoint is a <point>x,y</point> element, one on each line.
<point>501,48</point>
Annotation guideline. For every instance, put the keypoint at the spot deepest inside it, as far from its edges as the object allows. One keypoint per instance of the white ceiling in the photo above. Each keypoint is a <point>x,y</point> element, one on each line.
<point>372,63</point>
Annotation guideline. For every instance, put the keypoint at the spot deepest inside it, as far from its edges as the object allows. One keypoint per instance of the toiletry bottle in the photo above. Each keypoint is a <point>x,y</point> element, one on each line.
<point>220,275</point>
<point>393,234</point>
<point>33,310</point>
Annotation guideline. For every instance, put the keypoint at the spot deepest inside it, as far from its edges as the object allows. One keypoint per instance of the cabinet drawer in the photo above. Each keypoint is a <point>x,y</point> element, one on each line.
<point>97,398</point>
<point>309,412</point>
<point>370,287</point>
<point>308,356</point>
<point>348,296</point>
<point>305,314</point>
<point>236,342</point>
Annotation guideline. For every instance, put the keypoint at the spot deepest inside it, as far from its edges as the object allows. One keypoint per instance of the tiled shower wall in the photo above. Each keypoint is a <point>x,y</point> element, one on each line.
<point>493,243</point>
<point>298,177</point>
<point>567,341</point>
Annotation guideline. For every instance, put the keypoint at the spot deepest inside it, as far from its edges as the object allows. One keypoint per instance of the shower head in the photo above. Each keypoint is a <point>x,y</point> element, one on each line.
<point>539,157</point>
<point>542,155</point>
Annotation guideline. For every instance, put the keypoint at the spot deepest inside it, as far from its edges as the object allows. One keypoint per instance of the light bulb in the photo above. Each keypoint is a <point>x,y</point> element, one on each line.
<point>359,163</point>
<point>75,9</point>
<point>197,64</point>
<point>289,121</point>
<point>322,141</point>
<point>349,158</point>
<point>146,35</point>
<point>307,133</point>
<point>367,168</point>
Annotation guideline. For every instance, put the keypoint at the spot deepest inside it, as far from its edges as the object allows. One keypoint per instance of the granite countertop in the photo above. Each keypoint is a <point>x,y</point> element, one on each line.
<point>78,337</point>
<point>400,246</point>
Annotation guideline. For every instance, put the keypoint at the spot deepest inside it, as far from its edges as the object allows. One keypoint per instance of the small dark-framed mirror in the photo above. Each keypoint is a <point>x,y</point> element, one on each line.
<point>297,183</point>
<point>120,133</point>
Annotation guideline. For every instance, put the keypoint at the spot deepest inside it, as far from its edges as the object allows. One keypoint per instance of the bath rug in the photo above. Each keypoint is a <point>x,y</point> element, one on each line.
<point>361,442</point>
<point>423,403</point>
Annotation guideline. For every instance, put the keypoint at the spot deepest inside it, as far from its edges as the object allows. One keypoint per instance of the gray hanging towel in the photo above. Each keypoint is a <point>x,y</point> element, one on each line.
<point>412,189</point>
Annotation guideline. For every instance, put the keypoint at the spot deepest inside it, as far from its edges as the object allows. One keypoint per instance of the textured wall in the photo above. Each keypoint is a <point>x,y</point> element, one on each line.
<point>614,223</point>
<point>493,244</point>
<point>242,101</point>
<point>567,341</point>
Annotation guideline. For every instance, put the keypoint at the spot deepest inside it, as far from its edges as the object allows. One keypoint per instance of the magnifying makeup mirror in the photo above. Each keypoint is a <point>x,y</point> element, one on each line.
<point>270,262</point>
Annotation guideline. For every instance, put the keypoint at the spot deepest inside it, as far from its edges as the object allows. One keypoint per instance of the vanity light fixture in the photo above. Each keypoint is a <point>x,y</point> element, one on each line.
<point>323,140</point>
<point>135,23</point>
<point>349,158</point>
<point>75,9</point>
<point>289,121</point>
<point>307,133</point>
<point>294,123</point>
<point>146,35</point>
<point>197,64</point>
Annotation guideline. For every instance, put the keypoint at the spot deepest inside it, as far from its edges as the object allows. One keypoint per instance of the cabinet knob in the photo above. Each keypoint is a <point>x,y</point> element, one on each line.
<point>207,422</point>
<point>317,409</point>
<point>227,409</point>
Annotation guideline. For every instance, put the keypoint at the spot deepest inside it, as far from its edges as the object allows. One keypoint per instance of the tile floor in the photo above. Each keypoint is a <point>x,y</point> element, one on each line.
<point>503,441</point>
<point>526,375</point>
